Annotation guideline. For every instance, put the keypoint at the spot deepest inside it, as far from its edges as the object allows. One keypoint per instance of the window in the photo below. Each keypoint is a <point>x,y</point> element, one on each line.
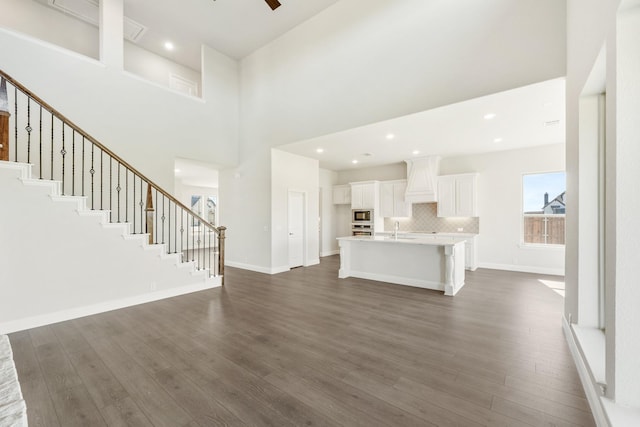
<point>543,207</point>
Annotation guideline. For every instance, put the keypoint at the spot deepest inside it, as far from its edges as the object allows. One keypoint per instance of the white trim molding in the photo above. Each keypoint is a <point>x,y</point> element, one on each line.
<point>522,268</point>
<point>591,388</point>
<point>74,313</point>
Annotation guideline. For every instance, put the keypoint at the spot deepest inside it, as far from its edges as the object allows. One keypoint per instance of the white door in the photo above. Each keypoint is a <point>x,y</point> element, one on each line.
<point>296,229</point>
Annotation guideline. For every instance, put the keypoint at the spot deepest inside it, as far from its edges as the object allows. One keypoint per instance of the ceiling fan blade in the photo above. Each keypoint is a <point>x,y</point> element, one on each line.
<point>273,4</point>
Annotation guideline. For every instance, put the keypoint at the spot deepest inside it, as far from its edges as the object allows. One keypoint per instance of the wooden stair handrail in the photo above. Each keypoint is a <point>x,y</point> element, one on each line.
<point>104,149</point>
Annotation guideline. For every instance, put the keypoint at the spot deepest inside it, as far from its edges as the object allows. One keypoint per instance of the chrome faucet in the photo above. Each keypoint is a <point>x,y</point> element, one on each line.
<point>396,227</point>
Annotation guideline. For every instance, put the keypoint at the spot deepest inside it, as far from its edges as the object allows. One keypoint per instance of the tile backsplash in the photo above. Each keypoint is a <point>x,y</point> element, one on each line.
<point>425,219</point>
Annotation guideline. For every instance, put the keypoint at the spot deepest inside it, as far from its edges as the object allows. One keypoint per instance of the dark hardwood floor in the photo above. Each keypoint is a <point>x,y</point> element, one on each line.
<point>305,348</point>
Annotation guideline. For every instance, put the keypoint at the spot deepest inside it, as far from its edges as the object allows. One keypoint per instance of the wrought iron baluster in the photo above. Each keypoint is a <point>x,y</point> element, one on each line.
<point>126,194</point>
<point>141,207</point>
<point>92,171</point>
<point>133,204</point>
<point>101,179</point>
<point>82,166</point>
<point>118,188</point>
<point>188,229</point>
<point>73,163</point>
<point>40,139</point>
<point>193,238</point>
<point>175,229</point>
<point>52,118</point>
<point>163,218</point>
<point>156,218</point>
<point>110,189</point>
<point>63,152</point>
<point>15,123</point>
<point>181,235</point>
<point>28,129</point>
<point>169,228</point>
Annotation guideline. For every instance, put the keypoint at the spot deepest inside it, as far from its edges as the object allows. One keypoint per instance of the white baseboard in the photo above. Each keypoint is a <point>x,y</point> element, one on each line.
<point>590,387</point>
<point>315,261</point>
<point>329,253</point>
<point>74,313</point>
<point>522,268</point>
<point>405,281</point>
<point>257,268</point>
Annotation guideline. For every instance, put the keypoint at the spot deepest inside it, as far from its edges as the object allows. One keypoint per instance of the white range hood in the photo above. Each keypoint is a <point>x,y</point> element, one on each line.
<point>422,179</point>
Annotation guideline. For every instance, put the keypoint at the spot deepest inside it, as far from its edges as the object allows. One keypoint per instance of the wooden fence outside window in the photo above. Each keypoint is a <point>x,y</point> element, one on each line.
<point>544,229</point>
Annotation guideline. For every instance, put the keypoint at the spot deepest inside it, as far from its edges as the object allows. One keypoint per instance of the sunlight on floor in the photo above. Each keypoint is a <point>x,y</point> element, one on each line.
<point>557,287</point>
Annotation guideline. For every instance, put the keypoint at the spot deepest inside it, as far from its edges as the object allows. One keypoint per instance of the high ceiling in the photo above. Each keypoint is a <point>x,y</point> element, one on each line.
<point>234,27</point>
<point>524,117</point>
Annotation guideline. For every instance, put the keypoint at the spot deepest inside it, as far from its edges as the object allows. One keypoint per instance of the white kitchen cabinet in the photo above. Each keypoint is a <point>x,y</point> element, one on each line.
<point>392,201</point>
<point>341,194</point>
<point>457,195</point>
<point>364,195</point>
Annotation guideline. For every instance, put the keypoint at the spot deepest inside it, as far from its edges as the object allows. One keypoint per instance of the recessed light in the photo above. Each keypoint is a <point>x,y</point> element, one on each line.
<point>176,170</point>
<point>390,136</point>
<point>497,140</point>
<point>489,116</point>
<point>169,46</point>
<point>416,152</point>
<point>354,161</point>
<point>319,150</point>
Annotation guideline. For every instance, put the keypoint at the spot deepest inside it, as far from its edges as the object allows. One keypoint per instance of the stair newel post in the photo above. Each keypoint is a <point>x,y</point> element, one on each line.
<point>4,120</point>
<point>150,212</point>
<point>221,238</point>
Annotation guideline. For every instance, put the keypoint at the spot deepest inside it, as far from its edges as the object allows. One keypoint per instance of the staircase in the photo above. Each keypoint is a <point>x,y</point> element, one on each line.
<point>81,230</point>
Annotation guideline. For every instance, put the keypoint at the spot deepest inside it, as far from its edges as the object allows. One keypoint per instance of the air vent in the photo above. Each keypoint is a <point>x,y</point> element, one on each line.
<point>86,10</point>
<point>552,123</point>
<point>133,31</point>
<point>89,11</point>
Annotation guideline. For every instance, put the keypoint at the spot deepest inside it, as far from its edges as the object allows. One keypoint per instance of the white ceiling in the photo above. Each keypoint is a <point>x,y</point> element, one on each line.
<point>521,120</point>
<point>234,27</point>
<point>238,27</point>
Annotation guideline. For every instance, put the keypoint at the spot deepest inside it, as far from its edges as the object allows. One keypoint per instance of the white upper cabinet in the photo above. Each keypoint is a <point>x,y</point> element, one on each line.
<point>457,195</point>
<point>392,202</point>
<point>364,195</point>
<point>341,194</point>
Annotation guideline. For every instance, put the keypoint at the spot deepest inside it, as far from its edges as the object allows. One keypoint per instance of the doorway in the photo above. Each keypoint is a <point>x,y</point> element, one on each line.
<point>296,228</point>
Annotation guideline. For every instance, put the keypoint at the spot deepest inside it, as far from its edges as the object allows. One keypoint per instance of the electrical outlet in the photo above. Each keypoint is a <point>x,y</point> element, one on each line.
<point>153,286</point>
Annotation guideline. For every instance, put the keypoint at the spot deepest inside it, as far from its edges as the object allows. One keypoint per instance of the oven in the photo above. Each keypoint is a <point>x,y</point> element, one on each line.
<point>362,229</point>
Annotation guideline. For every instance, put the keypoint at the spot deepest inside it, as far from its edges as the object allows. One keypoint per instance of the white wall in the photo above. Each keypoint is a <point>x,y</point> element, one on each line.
<point>74,34</point>
<point>364,61</point>
<point>245,194</point>
<point>500,206</point>
<point>328,213</point>
<point>28,16</point>
<point>375,173</point>
<point>156,68</point>
<point>52,261</point>
<point>592,26</point>
<point>134,118</point>
<point>297,173</point>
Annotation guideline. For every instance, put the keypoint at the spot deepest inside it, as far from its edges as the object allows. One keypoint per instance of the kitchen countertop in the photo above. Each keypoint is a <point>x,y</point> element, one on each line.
<point>425,233</point>
<point>431,239</point>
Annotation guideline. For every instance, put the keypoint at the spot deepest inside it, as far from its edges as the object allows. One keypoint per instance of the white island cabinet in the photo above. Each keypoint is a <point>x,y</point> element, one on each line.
<point>434,263</point>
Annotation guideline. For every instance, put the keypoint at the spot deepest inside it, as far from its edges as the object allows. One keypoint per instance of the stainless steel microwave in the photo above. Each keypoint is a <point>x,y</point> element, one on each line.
<point>362,215</point>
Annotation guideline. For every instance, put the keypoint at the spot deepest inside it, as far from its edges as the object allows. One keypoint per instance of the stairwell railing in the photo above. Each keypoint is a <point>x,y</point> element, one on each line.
<point>31,131</point>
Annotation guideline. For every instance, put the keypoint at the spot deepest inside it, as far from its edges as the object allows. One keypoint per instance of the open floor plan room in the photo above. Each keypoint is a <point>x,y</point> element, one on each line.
<point>306,348</point>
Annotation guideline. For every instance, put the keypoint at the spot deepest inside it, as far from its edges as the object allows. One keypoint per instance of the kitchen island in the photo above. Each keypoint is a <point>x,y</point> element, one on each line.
<point>431,263</point>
